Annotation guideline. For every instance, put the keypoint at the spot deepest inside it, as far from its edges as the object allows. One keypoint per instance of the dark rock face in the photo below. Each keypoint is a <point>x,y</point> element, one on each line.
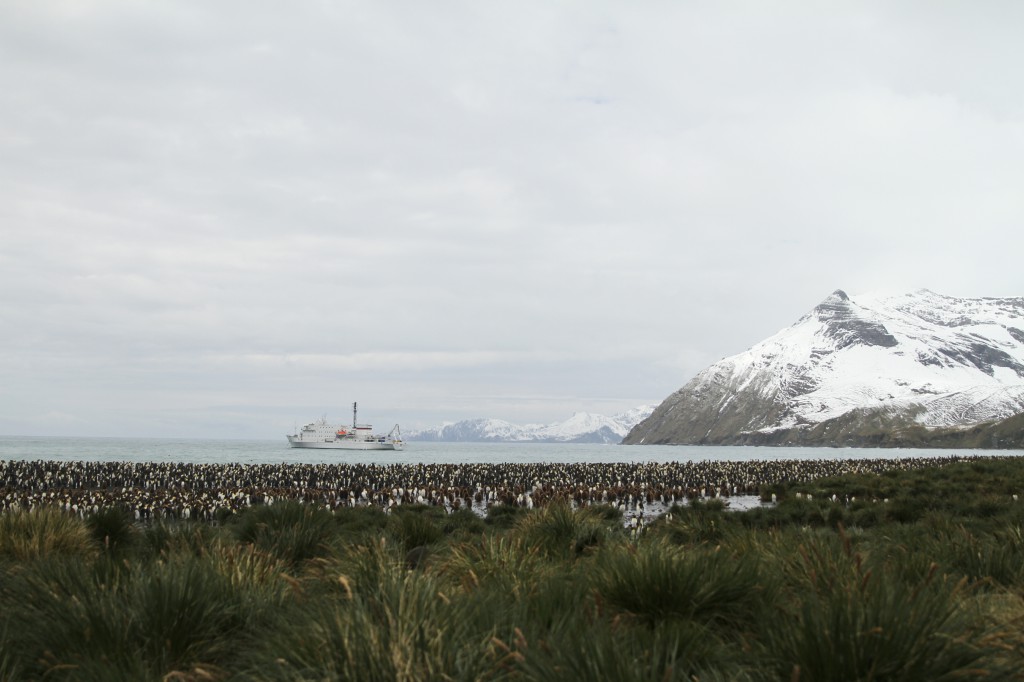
<point>986,357</point>
<point>846,327</point>
<point>705,413</point>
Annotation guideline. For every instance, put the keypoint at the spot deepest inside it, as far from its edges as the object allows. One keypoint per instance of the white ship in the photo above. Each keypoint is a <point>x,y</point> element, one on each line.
<point>320,434</point>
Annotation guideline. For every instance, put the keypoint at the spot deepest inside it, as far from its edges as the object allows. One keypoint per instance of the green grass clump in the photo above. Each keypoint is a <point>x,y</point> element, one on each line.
<point>113,528</point>
<point>397,625</point>
<point>850,622</point>
<point>558,531</point>
<point>43,532</point>
<point>289,530</point>
<point>177,537</point>
<point>659,582</point>
<point>76,620</point>
<point>503,515</point>
<point>603,651</point>
<point>417,527</point>
<point>994,559</point>
<point>695,523</point>
<point>462,523</point>
<point>504,564</point>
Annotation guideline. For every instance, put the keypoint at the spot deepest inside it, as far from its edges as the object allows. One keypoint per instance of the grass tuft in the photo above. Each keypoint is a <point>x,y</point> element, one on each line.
<point>289,530</point>
<point>43,532</point>
<point>558,531</point>
<point>661,581</point>
<point>113,528</point>
<point>866,624</point>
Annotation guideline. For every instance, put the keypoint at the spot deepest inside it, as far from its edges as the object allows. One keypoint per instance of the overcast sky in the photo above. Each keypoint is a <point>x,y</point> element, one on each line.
<point>220,219</point>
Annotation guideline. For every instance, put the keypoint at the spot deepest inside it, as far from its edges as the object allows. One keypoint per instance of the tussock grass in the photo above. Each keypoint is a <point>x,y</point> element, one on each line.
<point>503,515</point>
<point>463,523</point>
<point>986,559</point>
<point>602,651</point>
<point>43,532</point>
<point>926,585</point>
<point>10,668</point>
<point>404,626</point>
<point>416,527</point>
<point>852,622</point>
<point>364,566</point>
<point>504,564</point>
<point>113,528</point>
<point>140,621</point>
<point>661,581</point>
<point>558,531</point>
<point>164,537</point>
<point>289,530</point>
<point>695,523</point>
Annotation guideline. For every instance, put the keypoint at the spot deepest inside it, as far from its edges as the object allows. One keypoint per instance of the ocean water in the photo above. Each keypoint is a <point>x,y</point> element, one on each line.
<point>276,452</point>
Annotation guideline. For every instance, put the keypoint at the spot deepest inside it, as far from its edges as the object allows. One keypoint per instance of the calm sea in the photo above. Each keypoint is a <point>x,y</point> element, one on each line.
<point>276,452</point>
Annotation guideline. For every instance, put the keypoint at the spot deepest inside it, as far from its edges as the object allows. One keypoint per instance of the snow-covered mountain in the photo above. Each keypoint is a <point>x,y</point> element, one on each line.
<point>857,371</point>
<point>582,427</point>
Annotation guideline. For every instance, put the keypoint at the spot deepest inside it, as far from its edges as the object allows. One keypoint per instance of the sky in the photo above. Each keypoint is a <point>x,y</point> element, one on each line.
<point>223,219</point>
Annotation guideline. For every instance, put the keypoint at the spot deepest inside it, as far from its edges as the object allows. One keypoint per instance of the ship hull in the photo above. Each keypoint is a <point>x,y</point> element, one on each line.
<point>344,445</point>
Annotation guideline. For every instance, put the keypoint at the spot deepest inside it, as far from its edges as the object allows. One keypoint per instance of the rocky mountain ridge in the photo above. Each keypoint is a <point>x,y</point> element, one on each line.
<point>582,427</point>
<point>865,370</point>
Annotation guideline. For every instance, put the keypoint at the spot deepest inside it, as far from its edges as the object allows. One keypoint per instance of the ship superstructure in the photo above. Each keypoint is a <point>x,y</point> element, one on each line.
<point>322,434</point>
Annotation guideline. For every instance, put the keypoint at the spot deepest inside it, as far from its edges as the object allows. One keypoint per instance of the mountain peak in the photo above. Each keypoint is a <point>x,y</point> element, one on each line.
<point>848,324</point>
<point>920,359</point>
<point>838,294</point>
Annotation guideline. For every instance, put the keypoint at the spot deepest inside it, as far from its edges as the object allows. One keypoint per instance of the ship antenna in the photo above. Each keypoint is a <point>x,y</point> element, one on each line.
<point>353,416</point>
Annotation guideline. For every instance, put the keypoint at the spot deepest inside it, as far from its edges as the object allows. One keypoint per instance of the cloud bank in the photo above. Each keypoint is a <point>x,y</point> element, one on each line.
<point>217,219</point>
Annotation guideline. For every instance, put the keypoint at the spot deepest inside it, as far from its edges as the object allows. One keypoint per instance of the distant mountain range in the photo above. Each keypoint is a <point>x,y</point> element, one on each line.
<point>918,369</point>
<point>582,427</point>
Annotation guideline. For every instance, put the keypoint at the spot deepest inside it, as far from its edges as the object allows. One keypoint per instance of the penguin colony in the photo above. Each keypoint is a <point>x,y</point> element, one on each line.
<point>153,490</point>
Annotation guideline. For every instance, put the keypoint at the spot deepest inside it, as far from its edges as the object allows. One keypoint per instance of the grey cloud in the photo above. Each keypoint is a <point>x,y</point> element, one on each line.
<point>468,210</point>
